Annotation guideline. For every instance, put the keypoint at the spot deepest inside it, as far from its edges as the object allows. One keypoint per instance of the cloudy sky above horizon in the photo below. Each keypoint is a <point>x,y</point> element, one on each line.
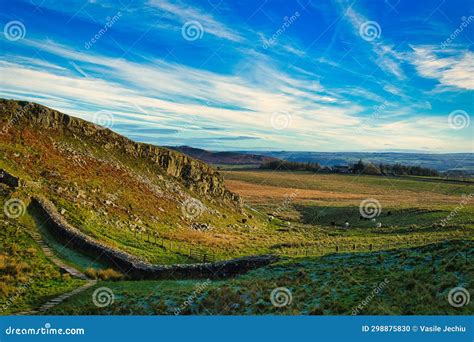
<point>393,75</point>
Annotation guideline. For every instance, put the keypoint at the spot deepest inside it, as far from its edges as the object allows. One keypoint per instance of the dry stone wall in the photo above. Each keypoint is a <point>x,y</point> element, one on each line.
<point>9,179</point>
<point>135,268</point>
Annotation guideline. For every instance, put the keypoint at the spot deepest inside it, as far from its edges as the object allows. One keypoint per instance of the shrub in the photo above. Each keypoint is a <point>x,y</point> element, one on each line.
<point>109,274</point>
<point>15,268</point>
<point>3,290</point>
<point>32,251</point>
<point>91,273</point>
<point>3,262</point>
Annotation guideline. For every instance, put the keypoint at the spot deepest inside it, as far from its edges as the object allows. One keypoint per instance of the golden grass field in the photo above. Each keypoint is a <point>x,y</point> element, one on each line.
<point>260,187</point>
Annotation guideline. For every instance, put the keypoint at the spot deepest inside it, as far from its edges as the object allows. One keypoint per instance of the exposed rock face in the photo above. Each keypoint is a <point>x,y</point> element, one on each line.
<point>135,268</point>
<point>194,174</point>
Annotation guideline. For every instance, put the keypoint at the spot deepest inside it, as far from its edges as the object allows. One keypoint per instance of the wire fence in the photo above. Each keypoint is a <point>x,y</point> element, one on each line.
<point>194,253</point>
<point>362,246</point>
<point>316,249</point>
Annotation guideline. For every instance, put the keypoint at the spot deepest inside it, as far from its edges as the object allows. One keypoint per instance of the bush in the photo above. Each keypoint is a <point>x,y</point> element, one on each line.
<point>91,273</point>
<point>3,290</point>
<point>109,274</point>
<point>15,268</point>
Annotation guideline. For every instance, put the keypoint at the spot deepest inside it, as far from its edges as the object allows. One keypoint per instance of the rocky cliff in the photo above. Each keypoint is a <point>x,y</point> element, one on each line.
<point>193,174</point>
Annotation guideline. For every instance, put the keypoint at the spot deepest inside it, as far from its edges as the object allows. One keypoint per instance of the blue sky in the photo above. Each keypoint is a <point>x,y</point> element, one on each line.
<point>394,75</point>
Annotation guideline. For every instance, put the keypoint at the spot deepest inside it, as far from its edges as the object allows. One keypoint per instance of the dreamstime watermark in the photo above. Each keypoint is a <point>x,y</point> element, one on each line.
<point>465,200</point>
<point>46,330</point>
<point>16,117</point>
<point>14,30</point>
<point>376,291</point>
<point>18,293</point>
<point>370,208</point>
<point>287,22</point>
<point>199,288</point>
<point>458,119</point>
<point>14,208</point>
<point>104,119</point>
<point>192,30</point>
<point>286,203</point>
<point>280,297</point>
<point>110,22</point>
<point>458,297</point>
<point>370,30</point>
<point>102,297</point>
<point>464,24</point>
<point>192,208</point>
<point>280,120</point>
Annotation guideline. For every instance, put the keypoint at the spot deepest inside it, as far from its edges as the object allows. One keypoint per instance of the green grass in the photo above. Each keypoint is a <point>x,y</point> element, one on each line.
<point>27,277</point>
<point>105,192</point>
<point>394,217</point>
<point>69,255</point>
<point>417,282</point>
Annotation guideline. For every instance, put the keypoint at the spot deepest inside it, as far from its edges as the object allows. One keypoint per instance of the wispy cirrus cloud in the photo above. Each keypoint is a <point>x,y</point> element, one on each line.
<point>183,13</point>
<point>384,56</point>
<point>325,125</point>
<point>221,92</point>
<point>450,68</point>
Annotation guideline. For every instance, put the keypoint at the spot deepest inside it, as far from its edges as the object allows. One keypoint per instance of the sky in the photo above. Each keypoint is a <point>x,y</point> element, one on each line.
<point>302,75</point>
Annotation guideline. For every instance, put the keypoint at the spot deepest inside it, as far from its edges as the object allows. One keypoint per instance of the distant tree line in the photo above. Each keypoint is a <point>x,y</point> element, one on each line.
<point>358,168</point>
<point>293,166</point>
<point>393,169</point>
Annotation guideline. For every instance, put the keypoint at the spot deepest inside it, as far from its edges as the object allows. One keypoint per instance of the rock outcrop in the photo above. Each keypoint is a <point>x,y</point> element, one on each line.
<point>192,173</point>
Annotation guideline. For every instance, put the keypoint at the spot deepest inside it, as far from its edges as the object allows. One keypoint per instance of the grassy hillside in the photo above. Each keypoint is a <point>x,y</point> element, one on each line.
<point>160,205</point>
<point>408,281</point>
<point>27,277</point>
<point>124,194</point>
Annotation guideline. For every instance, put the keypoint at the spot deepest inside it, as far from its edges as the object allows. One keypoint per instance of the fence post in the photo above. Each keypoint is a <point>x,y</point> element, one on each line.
<point>370,246</point>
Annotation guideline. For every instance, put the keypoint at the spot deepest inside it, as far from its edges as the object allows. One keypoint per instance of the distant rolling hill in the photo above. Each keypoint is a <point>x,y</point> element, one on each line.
<point>438,161</point>
<point>230,158</point>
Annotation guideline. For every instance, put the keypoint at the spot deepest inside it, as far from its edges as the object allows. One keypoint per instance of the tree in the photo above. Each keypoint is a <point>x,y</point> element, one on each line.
<point>359,167</point>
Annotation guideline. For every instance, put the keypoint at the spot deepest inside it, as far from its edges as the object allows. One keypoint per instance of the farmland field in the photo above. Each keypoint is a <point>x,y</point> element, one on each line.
<point>408,210</point>
<point>328,266</point>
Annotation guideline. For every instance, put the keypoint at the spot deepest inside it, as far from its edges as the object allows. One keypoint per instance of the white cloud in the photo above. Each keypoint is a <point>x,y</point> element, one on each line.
<point>451,68</point>
<point>185,98</point>
<point>184,13</point>
<point>385,58</point>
